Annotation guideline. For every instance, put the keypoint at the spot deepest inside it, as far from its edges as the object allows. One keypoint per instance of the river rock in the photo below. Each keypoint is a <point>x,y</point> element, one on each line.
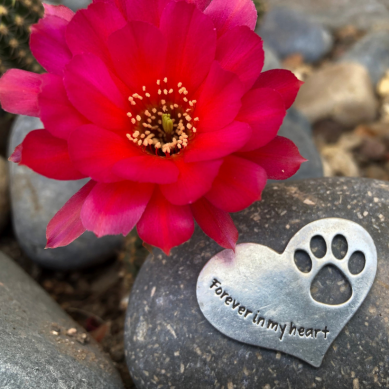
<point>364,14</point>
<point>271,59</point>
<point>298,129</point>
<point>341,91</point>
<point>41,346</point>
<point>4,194</point>
<point>169,343</point>
<point>288,31</point>
<point>372,52</point>
<point>35,200</point>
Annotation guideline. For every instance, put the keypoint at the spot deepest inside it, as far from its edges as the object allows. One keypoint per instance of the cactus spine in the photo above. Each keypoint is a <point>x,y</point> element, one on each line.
<point>16,17</point>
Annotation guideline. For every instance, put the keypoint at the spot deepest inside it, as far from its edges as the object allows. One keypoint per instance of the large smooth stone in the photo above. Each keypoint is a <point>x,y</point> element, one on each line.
<point>36,352</point>
<point>4,194</point>
<point>364,14</point>
<point>298,129</point>
<point>35,200</point>
<point>169,343</point>
<point>288,31</point>
<point>271,59</point>
<point>342,92</point>
<point>372,51</point>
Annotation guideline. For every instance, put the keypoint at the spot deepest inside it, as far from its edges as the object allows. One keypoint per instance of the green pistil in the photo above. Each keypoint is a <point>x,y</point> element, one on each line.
<point>167,124</point>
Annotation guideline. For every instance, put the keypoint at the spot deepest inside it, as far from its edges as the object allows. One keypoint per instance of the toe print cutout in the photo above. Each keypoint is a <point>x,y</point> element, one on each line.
<point>339,246</point>
<point>357,262</point>
<point>318,246</point>
<point>303,261</point>
<point>298,301</point>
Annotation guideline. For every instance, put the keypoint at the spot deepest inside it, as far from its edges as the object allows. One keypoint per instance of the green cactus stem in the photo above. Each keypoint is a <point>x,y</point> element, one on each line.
<point>16,18</point>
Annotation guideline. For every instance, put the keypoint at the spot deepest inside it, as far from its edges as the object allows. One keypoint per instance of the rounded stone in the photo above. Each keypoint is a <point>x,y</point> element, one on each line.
<point>288,31</point>
<point>297,128</point>
<point>342,92</point>
<point>169,343</point>
<point>35,200</point>
<point>4,194</point>
<point>372,52</point>
<point>363,14</point>
<point>41,346</point>
<point>271,59</point>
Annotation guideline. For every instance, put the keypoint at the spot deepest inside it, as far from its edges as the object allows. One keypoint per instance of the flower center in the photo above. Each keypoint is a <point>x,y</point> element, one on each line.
<point>163,124</point>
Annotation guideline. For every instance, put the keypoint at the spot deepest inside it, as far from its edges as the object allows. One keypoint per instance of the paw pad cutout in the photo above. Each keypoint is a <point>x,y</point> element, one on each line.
<point>330,285</point>
<point>260,297</point>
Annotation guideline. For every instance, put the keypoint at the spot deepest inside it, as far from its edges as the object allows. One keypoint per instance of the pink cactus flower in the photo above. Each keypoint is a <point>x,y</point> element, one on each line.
<point>163,105</point>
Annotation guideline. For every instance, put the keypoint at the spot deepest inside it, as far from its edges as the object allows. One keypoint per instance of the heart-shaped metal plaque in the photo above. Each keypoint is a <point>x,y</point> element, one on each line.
<point>260,297</point>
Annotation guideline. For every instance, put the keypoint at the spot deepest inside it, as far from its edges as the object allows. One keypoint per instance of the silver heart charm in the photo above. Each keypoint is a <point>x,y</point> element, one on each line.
<point>260,297</point>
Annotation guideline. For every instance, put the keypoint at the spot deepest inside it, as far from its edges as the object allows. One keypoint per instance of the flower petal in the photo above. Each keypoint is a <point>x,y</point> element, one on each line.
<point>138,53</point>
<point>93,92</point>
<point>58,115</point>
<point>232,13</point>
<point>58,10</point>
<point>194,181</point>
<point>220,99</point>
<point>119,4</point>
<point>113,209</point>
<point>282,81</point>
<point>191,44</point>
<point>216,223</point>
<point>165,225</point>
<point>264,110</point>
<point>94,151</point>
<point>280,158</point>
<point>201,4</point>
<point>19,92</point>
<point>66,225</point>
<point>147,168</point>
<point>149,11</point>
<point>48,44</point>
<point>89,30</point>
<point>239,184</point>
<point>240,51</point>
<point>218,144</point>
<point>46,155</point>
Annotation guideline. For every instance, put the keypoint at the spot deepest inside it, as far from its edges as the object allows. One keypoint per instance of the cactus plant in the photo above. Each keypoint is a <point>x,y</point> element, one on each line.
<point>16,17</point>
<point>260,6</point>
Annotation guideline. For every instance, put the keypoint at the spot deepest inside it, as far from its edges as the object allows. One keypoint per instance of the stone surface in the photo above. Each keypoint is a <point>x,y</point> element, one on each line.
<point>372,51</point>
<point>271,59</point>
<point>35,200</point>
<point>169,343</point>
<point>74,5</point>
<point>4,194</point>
<point>36,352</point>
<point>297,128</point>
<point>342,91</point>
<point>288,31</point>
<point>364,14</point>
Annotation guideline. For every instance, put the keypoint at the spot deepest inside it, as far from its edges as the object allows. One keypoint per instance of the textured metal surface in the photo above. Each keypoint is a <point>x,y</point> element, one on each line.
<point>260,297</point>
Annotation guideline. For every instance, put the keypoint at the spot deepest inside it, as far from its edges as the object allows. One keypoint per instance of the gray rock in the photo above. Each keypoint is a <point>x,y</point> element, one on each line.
<point>372,51</point>
<point>36,352</point>
<point>364,14</point>
<point>288,31</point>
<point>74,5</point>
<point>35,200</point>
<point>4,194</point>
<point>297,128</point>
<point>271,59</point>
<point>169,343</point>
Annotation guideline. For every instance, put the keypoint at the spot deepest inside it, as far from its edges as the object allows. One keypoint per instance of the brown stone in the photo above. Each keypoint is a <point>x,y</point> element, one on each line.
<point>343,92</point>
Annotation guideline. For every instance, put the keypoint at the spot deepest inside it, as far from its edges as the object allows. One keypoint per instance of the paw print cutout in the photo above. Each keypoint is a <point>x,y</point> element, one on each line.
<point>260,297</point>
